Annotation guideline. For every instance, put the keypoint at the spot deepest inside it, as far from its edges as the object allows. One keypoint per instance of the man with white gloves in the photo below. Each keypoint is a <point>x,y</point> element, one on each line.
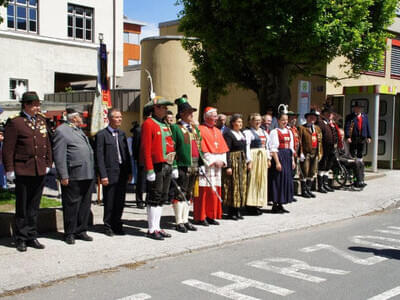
<point>158,157</point>
<point>27,158</point>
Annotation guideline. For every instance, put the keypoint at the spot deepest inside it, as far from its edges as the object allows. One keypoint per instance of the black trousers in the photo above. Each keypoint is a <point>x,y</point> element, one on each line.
<point>28,192</point>
<point>327,159</point>
<point>114,202</point>
<point>186,181</point>
<point>140,184</point>
<point>357,147</point>
<point>76,201</point>
<point>158,189</point>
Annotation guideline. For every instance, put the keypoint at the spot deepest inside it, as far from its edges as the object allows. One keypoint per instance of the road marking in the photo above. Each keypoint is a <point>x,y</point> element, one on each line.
<point>140,296</point>
<point>354,259</point>
<point>295,266</point>
<point>240,283</point>
<point>395,231</point>
<point>387,295</point>
<point>361,239</point>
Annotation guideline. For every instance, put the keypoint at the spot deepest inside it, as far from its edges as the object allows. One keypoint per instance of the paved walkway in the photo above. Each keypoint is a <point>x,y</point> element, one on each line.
<point>60,260</point>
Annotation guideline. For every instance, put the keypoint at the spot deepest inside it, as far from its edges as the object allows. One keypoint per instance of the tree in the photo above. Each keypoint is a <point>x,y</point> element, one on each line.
<point>3,3</point>
<point>262,44</point>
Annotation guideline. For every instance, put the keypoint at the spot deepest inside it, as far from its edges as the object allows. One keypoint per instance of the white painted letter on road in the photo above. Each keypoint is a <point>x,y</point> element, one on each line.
<point>295,266</point>
<point>354,259</point>
<point>240,283</point>
<point>140,296</point>
<point>387,295</point>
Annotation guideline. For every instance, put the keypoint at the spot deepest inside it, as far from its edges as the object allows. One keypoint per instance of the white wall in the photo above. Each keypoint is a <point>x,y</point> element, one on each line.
<point>38,57</point>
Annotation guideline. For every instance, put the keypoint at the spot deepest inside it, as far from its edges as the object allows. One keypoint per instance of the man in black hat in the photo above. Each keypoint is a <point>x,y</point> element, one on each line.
<point>188,148</point>
<point>73,156</point>
<point>158,156</point>
<point>27,158</point>
<point>330,139</point>
<point>310,152</point>
<point>357,134</point>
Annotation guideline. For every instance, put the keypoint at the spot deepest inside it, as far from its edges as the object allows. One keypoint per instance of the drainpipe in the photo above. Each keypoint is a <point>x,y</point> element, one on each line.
<point>114,46</point>
<point>375,135</point>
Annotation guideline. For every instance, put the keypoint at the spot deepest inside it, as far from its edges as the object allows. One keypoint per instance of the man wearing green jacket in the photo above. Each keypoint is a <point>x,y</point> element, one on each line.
<point>188,157</point>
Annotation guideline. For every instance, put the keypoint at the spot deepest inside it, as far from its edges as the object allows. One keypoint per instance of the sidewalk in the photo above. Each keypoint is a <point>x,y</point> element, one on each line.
<point>60,260</point>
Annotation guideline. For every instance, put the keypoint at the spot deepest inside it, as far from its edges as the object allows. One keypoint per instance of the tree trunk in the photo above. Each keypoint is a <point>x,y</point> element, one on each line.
<point>274,89</point>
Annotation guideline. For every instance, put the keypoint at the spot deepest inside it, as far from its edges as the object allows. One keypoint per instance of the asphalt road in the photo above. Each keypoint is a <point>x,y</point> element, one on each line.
<point>352,259</point>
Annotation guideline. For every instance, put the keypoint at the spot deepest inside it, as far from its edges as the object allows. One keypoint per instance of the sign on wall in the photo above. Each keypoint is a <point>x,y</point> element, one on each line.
<point>304,99</point>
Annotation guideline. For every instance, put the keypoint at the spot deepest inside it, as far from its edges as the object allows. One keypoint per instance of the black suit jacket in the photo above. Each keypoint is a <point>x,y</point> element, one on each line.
<point>107,156</point>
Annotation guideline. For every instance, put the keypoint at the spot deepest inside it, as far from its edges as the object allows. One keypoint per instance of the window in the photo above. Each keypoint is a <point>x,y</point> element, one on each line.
<point>22,15</point>
<point>16,84</point>
<point>131,38</point>
<point>377,70</point>
<point>80,22</point>
<point>395,62</point>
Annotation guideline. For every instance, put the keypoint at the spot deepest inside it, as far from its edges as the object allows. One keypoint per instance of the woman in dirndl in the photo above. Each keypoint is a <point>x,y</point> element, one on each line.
<point>258,153</point>
<point>280,179</point>
<point>235,175</point>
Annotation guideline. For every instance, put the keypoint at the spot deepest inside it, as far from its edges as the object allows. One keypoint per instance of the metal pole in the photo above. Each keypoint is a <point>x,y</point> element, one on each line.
<point>114,42</point>
<point>393,124</point>
<point>375,135</point>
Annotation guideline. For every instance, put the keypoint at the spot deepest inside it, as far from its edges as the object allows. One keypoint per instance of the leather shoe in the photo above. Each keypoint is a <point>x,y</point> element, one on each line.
<point>203,223</point>
<point>232,217</point>
<point>190,227</point>
<point>181,228</point>
<point>109,232</point>
<point>70,239</point>
<point>21,246</point>
<point>140,204</point>
<point>276,210</point>
<point>239,215</point>
<point>212,221</point>
<point>164,234</point>
<point>155,235</point>
<point>35,244</point>
<point>119,232</point>
<point>84,237</point>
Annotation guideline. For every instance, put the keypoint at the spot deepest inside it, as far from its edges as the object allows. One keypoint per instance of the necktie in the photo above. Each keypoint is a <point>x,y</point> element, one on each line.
<point>115,134</point>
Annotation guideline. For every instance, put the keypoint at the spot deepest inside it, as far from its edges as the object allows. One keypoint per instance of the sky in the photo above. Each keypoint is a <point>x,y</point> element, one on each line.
<point>151,12</point>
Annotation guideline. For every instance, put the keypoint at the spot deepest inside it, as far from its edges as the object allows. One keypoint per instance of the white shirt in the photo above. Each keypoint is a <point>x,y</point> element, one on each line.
<point>250,137</point>
<point>274,139</point>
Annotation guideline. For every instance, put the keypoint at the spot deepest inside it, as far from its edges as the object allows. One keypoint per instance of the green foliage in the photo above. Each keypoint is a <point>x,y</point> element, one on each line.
<point>259,42</point>
<point>7,200</point>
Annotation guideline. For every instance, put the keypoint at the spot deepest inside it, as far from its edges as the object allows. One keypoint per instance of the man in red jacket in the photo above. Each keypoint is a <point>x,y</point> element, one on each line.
<point>158,157</point>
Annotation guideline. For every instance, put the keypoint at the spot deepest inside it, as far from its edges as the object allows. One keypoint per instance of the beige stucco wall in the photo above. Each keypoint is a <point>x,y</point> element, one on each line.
<point>334,69</point>
<point>170,66</point>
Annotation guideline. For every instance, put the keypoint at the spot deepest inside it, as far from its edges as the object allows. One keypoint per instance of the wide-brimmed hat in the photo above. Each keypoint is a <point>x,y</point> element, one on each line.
<point>356,104</point>
<point>312,112</point>
<point>30,96</point>
<point>158,100</point>
<point>328,109</point>
<point>183,105</point>
<point>292,113</point>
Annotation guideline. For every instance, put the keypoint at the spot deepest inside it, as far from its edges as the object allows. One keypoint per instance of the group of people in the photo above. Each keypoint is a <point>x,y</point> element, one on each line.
<point>233,168</point>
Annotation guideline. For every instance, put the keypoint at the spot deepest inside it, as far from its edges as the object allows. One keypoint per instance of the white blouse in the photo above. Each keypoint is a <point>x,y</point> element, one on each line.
<point>274,139</point>
<point>250,137</point>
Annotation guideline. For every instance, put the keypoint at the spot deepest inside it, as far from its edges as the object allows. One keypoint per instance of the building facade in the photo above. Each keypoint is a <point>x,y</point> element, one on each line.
<point>305,91</point>
<point>47,44</point>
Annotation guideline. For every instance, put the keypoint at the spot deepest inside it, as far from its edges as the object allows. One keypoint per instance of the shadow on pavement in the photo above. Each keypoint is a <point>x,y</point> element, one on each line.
<point>388,253</point>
